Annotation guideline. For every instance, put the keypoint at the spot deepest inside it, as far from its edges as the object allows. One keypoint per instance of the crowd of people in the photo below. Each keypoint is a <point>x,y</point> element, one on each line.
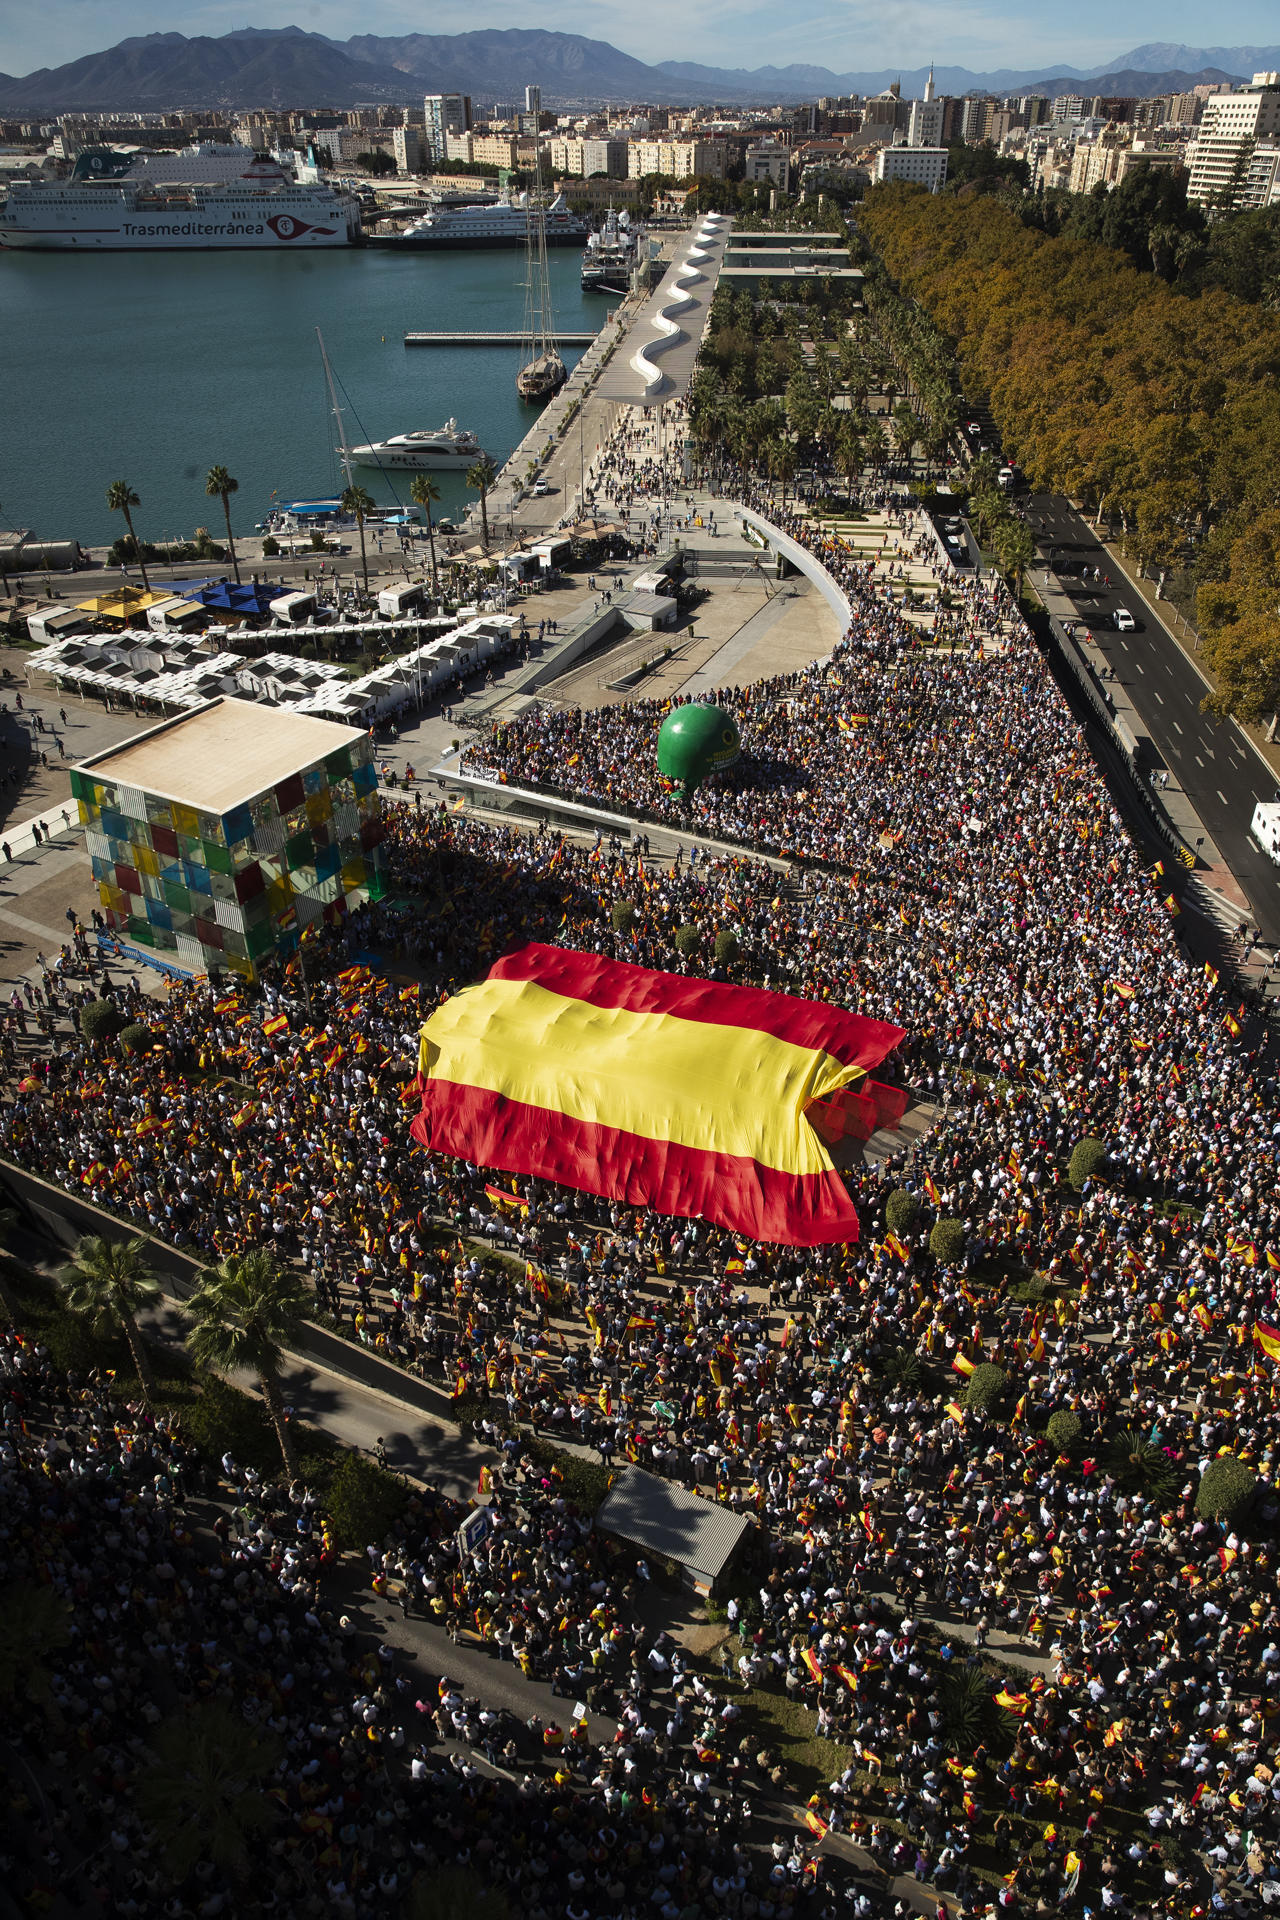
<point>916,831</point>
<point>193,1727</point>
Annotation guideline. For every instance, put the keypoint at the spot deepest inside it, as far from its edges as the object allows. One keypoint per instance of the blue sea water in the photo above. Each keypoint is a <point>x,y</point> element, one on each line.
<point>153,367</point>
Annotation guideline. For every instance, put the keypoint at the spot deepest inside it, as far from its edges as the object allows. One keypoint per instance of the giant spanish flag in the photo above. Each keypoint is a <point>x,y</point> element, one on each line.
<point>687,1096</point>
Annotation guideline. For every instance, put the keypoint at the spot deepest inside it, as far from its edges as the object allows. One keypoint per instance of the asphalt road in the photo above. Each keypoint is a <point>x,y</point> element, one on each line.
<point>1213,761</point>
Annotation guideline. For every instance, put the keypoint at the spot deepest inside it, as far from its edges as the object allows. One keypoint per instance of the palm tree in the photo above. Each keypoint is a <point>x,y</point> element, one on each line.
<point>480,477</point>
<point>247,1310</point>
<point>219,485</point>
<point>121,498</point>
<point>425,493</point>
<point>205,1794</point>
<point>850,453</point>
<point>109,1281</point>
<point>359,500</point>
<point>1015,548</point>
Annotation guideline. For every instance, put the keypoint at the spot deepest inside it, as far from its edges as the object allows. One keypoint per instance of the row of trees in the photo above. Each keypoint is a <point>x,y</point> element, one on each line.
<point>218,484</point>
<point>779,388</point>
<point>355,500</point>
<point>1109,386</point>
<point>1147,217</point>
<point>244,1312</point>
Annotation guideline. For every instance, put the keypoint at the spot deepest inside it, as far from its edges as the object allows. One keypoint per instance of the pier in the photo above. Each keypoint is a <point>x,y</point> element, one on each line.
<point>492,339</point>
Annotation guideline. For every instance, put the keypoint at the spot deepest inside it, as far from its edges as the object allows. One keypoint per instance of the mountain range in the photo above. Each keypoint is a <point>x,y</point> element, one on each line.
<point>265,67</point>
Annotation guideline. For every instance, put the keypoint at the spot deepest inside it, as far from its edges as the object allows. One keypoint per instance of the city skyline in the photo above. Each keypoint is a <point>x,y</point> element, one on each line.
<point>999,33</point>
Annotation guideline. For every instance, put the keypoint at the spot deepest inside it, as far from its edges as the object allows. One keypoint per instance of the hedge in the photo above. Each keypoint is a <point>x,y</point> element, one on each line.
<point>99,1020</point>
<point>1226,1490</point>
<point>901,1211</point>
<point>946,1241</point>
<point>1088,1158</point>
<point>986,1387</point>
<point>1064,1430</point>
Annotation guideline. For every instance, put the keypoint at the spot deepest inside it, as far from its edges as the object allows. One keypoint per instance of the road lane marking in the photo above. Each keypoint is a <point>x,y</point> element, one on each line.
<point>1177,727</point>
<point>1199,762</point>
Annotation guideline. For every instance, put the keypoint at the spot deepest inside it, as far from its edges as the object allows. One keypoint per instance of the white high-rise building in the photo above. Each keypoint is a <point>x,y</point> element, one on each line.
<point>920,166</point>
<point>443,114</point>
<point>1233,124</point>
<point>924,122</point>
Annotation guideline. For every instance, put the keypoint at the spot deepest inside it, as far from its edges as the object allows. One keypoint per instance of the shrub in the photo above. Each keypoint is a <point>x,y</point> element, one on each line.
<point>1064,1430</point>
<point>365,1501</point>
<point>100,1020</point>
<point>623,916</point>
<point>966,1697</point>
<point>1088,1157</point>
<point>136,1038</point>
<point>986,1387</point>
<point>946,1241</point>
<point>270,547</point>
<point>584,1482</point>
<point>1226,1490</point>
<point>1139,1466</point>
<point>688,940</point>
<point>726,947</point>
<point>1029,1293</point>
<point>901,1367</point>
<point>901,1212</point>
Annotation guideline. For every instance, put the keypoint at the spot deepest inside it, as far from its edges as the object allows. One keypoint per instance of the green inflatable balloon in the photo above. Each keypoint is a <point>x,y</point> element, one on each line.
<point>695,741</point>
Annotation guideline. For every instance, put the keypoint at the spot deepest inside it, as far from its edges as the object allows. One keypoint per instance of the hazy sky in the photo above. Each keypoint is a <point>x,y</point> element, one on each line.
<point>841,34</point>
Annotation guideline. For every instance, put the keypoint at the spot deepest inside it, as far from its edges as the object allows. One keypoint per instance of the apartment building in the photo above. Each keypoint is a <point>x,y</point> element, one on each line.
<point>1231,128</point>
<point>443,114</point>
<point>768,160</point>
<point>677,159</point>
<point>919,166</point>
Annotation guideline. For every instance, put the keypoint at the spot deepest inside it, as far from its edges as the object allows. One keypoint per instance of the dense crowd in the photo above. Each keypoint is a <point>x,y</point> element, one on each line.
<point>943,854</point>
<point>197,1729</point>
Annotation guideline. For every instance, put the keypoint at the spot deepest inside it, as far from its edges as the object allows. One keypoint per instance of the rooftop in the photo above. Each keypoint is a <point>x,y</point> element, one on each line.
<point>661,1517</point>
<point>222,754</point>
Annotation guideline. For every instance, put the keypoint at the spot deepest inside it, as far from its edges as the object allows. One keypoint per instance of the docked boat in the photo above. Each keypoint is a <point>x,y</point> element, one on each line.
<point>207,196</point>
<point>491,223</point>
<point>421,449</point>
<point>612,256</point>
<point>544,372</point>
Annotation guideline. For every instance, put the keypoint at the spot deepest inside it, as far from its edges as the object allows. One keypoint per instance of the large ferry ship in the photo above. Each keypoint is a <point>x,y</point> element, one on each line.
<point>494,223</point>
<point>206,196</point>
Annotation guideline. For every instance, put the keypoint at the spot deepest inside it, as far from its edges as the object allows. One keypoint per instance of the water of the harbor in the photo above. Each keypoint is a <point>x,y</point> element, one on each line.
<point>153,367</point>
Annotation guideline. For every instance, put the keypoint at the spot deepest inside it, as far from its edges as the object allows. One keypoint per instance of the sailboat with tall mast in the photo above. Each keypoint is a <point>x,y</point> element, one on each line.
<point>544,372</point>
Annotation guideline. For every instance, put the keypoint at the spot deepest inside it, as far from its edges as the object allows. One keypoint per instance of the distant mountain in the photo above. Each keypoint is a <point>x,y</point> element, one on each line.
<point>496,64</point>
<point>263,67</point>
<point>1163,55</point>
<point>156,70</point>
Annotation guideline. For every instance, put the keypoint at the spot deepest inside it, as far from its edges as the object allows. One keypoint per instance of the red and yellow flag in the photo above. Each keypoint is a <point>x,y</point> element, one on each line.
<point>688,1096</point>
<point>1268,1338</point>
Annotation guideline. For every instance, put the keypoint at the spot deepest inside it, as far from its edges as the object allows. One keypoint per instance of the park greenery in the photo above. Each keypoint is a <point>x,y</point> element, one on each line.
<point>1159,412</point>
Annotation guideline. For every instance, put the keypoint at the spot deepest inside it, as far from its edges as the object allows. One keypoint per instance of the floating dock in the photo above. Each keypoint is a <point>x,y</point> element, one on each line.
<point>492,339</point>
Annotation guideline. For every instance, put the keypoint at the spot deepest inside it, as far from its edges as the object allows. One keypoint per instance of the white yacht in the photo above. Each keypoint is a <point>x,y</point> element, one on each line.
<point>206,196</point>
<point>495,223</point>
<point>425,447</point>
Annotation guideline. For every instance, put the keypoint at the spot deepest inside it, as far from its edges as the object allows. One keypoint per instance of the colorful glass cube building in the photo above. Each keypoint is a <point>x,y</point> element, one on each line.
<point>217,837</point>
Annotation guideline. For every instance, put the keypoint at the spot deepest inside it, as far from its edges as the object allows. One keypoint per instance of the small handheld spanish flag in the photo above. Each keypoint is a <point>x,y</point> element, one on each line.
<point>1268,1338</point>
